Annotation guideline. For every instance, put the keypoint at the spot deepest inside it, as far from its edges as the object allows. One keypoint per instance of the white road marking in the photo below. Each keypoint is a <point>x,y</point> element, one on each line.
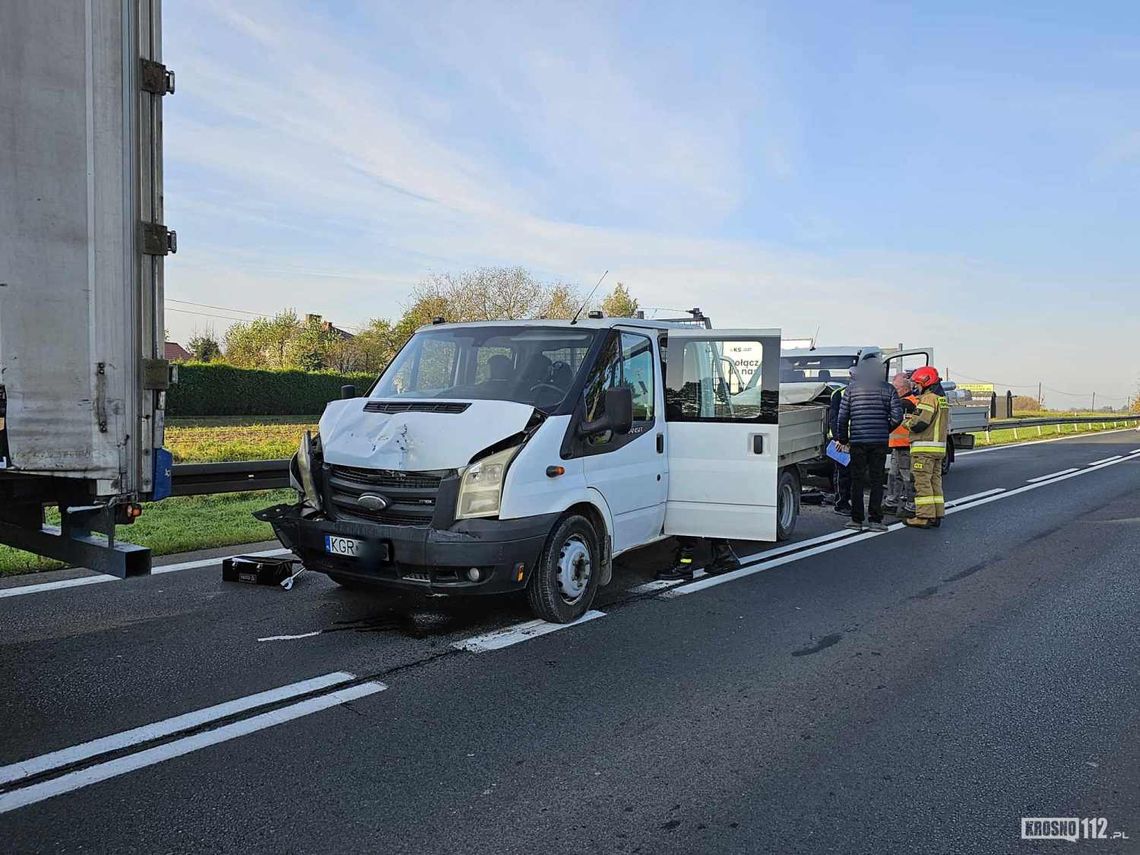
<point>960,505</point>
<point>292,637</point>
<point>1050,475</point>
<point>179,747</point>
<point>1135,451</point>
<point>166,727</point>
<point>1106,460</point>
<point>21,590</point>
<point>973,496</point>
<point>661,584</point>
<point>500,638</point>
<point>1041,441</point>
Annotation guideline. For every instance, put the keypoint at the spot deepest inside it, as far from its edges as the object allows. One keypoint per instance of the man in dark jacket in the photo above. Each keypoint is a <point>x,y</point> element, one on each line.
<point>868,412</point>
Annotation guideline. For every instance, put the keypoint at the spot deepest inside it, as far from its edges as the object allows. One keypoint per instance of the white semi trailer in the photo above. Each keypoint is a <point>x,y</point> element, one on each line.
<point>82,241</point>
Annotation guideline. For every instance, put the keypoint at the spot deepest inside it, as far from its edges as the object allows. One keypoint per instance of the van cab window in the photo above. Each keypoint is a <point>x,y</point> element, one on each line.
<point>524,364</point>
<point>625,360</point>
<point>708,382</point>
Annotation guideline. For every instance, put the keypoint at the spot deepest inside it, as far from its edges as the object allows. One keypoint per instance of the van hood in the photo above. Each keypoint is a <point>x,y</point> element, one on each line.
<point>416,441</point>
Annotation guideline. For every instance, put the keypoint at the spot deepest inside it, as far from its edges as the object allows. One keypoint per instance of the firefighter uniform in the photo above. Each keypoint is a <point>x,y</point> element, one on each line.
<point>929,425</point>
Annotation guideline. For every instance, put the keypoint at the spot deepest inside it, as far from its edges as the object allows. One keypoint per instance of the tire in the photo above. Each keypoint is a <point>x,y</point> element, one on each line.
<point>787,502</point>
<point>948,457</point>
<point>563,585</point>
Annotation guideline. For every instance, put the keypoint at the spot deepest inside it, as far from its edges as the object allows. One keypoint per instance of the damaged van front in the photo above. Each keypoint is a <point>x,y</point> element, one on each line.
<point>449,477</point>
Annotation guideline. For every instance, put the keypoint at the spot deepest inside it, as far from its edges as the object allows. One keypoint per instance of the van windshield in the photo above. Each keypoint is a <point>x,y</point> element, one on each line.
<point>527,365</point>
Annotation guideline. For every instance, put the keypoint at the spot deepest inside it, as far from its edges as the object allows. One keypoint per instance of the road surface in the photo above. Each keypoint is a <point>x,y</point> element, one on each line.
<point>900,692</point>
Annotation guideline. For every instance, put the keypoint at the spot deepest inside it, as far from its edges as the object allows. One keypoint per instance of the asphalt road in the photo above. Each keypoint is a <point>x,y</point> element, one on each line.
<point>904,692</point>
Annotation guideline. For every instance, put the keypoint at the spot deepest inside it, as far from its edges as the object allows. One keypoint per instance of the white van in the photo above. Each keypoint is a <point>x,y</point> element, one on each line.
<point>499,456</point>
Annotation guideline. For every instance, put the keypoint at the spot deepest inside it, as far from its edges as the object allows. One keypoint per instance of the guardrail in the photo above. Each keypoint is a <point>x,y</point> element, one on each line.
<point>1005,424</point>
<point>199,479</point>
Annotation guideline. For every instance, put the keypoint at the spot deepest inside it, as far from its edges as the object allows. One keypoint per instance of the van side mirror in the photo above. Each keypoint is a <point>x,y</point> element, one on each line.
<point>348,391</point>
<point>618,415</point>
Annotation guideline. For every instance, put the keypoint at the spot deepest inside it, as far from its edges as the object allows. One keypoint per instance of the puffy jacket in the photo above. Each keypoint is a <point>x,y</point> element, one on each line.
<point>869,411</point>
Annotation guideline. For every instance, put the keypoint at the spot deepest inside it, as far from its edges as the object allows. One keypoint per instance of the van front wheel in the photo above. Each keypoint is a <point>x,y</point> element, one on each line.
<point>563,585</point>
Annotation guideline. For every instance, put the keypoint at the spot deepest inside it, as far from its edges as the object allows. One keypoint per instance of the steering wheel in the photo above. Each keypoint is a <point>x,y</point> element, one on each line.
<point>554,366</point>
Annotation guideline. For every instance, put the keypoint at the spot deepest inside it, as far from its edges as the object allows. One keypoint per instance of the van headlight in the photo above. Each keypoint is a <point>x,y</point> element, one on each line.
<point>481,485</point>
<point>303,481</point>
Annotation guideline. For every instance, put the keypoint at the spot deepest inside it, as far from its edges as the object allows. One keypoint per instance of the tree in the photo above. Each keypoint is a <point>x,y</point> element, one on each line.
<point>1134,404</point>
<point>204,346</point>
<point>1026,404</point>
<point>369,350</point>
<point>619,303</point>
<point>263,342</point>
<point>562,301</point>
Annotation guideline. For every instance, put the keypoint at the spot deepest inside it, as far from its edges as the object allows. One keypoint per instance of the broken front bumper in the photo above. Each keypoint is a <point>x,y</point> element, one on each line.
<point>421,559</point>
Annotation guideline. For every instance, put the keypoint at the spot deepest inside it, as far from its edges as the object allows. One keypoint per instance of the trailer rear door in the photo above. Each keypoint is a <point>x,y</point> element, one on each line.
<point>723,441</point>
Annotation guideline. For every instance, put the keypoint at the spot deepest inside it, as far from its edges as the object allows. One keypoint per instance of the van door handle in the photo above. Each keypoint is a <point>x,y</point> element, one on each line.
<point>758,443</point>
<point>660,443</point>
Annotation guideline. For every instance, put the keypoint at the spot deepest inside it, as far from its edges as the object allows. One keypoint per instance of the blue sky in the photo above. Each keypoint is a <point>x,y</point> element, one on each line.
<point>957,174</point>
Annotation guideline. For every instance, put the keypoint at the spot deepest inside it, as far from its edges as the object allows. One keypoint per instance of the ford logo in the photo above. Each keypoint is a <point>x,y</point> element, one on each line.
<point>373,502</point>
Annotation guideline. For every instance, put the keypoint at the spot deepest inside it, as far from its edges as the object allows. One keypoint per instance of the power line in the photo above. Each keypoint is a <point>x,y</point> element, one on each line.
<point>221,308</point>
<point>206,314</point>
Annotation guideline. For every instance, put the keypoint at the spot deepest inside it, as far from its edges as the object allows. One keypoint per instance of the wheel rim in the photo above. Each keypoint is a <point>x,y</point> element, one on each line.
<point>574,569</point>
<point>787,503</point>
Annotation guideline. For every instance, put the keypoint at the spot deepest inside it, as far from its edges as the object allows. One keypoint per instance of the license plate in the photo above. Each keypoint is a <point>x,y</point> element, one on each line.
<point>343,546</point>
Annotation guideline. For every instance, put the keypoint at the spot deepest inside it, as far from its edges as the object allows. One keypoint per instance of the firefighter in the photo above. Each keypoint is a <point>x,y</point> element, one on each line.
<point>928,425</point>
<point>724,559</point>
<point>900,484</point>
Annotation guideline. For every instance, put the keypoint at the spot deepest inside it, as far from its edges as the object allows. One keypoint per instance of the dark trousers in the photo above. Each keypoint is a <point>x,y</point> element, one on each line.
<point>867,465</point>
<point>842,480</point>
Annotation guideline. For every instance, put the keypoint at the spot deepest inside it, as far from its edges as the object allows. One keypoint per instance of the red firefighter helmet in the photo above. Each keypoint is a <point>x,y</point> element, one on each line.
<point>926,376</point>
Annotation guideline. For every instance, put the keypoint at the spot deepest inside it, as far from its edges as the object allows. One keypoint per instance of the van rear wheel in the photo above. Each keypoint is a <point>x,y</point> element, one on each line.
<point>787,502</point>
<point>563,585</point>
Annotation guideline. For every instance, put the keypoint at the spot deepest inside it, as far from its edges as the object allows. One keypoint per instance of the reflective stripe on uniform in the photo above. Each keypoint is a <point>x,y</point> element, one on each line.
<point>926,408</point>
<point>929,500</point>
<point>928,447</point>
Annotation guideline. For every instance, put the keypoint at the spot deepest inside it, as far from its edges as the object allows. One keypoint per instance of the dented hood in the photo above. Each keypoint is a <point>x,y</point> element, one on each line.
<point>416,441</point>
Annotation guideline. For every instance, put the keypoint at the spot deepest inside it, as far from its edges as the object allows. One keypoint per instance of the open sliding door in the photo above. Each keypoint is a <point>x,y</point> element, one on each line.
<point>723,433</point>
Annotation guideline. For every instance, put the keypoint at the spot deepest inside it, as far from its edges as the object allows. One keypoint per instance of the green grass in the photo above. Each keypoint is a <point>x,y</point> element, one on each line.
<point>180,524</point>
<point>216,440</point>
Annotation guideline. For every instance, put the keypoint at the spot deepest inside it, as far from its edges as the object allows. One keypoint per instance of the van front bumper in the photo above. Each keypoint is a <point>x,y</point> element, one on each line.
<point>428,560</point>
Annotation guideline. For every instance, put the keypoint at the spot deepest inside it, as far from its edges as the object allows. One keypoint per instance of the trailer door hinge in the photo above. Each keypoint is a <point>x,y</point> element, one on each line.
<point>156,78</point>
<point>157,239</point>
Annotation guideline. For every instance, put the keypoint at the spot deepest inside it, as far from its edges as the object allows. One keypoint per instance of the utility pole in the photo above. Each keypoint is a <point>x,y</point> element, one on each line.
<point>1094,402</point>
<point>1039,406</point>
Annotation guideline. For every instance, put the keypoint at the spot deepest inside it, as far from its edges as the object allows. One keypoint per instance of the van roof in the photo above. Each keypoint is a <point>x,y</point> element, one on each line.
<point>852,351</point>
<point>583,323</point>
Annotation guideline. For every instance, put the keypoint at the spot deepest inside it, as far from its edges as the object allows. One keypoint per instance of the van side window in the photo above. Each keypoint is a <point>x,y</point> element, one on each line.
<point>715,381</point>
<point>626,360</point>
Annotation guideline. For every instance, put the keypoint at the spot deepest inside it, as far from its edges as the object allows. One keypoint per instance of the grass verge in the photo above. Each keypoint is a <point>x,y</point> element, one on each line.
<point>180,524</point>
<point>217,440</point>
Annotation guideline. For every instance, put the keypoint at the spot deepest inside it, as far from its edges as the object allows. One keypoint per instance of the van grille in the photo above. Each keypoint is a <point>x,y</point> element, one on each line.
<point>411,495</point>
<point>414,407</point>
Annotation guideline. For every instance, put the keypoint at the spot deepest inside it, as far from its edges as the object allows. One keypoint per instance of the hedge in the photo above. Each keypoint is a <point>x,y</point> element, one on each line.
<point>211,389</point>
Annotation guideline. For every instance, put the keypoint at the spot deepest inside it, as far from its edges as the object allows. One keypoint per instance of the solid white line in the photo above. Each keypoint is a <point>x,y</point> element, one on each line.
<point>970,498</point>
<point>1106,460</point>
<point>995,496</point>
<point>1009,445</point>
<point>292,637</point>
<point>1050,475</point>
<point>1135,451</point>
<point>520,632</point>
<point>20,590</point>
<point>661,584</point>
<point>166,727</point>
<point>120,766</point>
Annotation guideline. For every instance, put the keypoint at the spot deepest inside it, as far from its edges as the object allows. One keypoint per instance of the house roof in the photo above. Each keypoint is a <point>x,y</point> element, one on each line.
<point>174,352</point>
